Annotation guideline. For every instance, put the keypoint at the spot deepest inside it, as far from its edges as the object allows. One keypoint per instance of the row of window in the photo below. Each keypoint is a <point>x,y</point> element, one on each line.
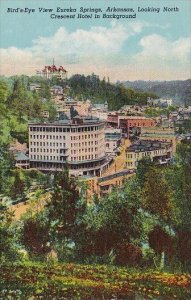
<point>53,166</point>
<point>45,150</point>
<point>61,129</point>
<point>146,153</point>
<point>76,145</point>
<point>48,144</point>
<point>85,157</point>
<point>45,157</point>
<point>54,137</point>
<point>80,158</point>
<point>84,150</point>
<point>84,136</point>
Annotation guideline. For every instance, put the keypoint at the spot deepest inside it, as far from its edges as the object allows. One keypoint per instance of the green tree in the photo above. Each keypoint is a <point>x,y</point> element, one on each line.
<point>65,209</point>
<point>19,100</point>
<point>8,236</point>
<point>45,90</point>
<point>162,243</point>
<point>17,186</point>
<point>110,221</point>
<point>142,169</point>
<point>157,195</point>
<point>6,166</point>
<point>4,92</point>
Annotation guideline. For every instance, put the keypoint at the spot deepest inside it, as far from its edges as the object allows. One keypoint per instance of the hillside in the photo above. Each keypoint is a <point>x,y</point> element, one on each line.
<point>178,90</point>
<point>99,91</point>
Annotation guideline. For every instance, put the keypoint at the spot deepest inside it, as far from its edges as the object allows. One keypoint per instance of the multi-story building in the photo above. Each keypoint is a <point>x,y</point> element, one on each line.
<point>78,143</point>
<point>160,134</point>
<point>50,72</point>
<point>159,152</point>
<point>128,123</point>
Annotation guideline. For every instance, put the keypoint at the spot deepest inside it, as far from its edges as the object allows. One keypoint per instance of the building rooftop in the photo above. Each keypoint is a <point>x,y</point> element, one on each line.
<point>78,120</point>
<point>53,69</point>
<point>21,156</point>
<point>146,145</point>
<point>134,117</point>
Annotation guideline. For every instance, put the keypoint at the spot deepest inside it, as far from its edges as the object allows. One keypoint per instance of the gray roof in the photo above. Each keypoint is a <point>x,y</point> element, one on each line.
<point>21,156</point>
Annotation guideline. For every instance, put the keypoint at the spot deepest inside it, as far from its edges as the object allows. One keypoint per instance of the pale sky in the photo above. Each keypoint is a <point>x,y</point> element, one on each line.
<point>152,46</point>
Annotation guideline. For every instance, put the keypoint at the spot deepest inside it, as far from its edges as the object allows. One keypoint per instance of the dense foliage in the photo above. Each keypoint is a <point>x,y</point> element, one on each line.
<point>18,105</point>
<point>92,87</point>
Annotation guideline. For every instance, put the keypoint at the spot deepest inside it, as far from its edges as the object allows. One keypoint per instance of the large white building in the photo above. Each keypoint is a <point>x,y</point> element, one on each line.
<point>52,71</point>
<point>77,143</point>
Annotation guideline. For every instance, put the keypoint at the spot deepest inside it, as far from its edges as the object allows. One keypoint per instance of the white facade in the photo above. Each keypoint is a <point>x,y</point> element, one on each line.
<point>80,144</point>
<point>52,71</point>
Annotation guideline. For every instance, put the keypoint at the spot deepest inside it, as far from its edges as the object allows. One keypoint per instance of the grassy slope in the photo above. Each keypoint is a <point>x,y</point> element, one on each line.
<point>72,281</point>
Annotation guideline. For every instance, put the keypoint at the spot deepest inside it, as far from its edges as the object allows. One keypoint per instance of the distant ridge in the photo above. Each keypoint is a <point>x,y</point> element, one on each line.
<point>178,90</point>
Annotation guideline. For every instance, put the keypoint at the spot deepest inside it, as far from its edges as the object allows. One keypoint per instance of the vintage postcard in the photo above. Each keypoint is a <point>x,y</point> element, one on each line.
<point>95,149</point>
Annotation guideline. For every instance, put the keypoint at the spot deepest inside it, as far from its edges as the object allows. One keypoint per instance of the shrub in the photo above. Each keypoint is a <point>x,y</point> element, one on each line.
<point>160,241</point>
<point>128,254</point>
<point>35,237</point>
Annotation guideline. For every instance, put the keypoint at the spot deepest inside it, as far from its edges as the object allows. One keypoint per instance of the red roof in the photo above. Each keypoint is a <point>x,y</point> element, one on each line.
<point>53,68</point>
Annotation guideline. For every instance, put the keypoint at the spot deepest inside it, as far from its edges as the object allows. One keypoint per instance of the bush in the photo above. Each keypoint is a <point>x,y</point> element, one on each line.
<point>35,237</point>
<point>160,241</point>
<point>184,248</point>
<point>148,258</point>
<point>128,254</point>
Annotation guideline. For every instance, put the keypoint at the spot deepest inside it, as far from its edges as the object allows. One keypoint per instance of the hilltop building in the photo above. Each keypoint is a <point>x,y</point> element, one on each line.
<point>52,71</point>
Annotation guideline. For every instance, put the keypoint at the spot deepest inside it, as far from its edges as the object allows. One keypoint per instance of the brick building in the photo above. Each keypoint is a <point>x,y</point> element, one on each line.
<point>128,123</point>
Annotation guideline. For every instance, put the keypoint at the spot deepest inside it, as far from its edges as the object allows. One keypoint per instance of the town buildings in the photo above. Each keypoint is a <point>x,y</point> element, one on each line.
<point>128,123</point>
<point>160,134</point>
<point>158,152</point>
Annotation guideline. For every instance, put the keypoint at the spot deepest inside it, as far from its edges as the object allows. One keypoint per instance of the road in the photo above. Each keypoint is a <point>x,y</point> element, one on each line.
<point>119,161</point>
